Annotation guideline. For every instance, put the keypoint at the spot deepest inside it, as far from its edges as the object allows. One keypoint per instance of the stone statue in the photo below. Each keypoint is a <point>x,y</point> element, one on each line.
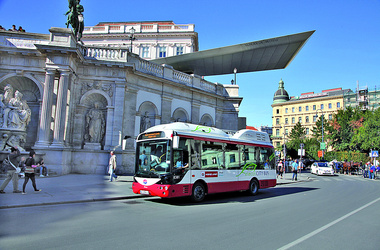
<point>145,122</point>
<point>15,141</point>
<point>2,108</point>
<point>75,18</point>
<point>95,124</point>
<point>19,113</point>
<point>8,94</point>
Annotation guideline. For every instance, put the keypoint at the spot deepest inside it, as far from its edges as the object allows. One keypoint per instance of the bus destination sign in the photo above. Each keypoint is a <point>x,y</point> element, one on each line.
<point>153,135</point>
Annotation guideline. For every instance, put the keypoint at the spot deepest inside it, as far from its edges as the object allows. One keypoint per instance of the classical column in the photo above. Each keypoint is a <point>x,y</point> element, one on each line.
<point>166,109</point>
<point>109,128</point>
<point>44,130</point>
<point>60,113</point>
<point>118,112</point>
<point>195,112</point>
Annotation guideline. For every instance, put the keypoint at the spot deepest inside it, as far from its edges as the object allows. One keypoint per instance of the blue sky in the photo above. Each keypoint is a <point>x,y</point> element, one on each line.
<point>344,50</point>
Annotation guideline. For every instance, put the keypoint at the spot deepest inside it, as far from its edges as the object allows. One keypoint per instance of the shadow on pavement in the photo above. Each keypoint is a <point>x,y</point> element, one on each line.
<point>233,197</point>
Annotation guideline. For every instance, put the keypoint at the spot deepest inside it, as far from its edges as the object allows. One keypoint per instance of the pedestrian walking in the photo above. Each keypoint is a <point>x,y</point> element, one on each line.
<point>295,169</point>
<point>372,171</point>
<point>12,174</point>
<point>112,166</point>
<point>29,172</point>
<point>280,169</point>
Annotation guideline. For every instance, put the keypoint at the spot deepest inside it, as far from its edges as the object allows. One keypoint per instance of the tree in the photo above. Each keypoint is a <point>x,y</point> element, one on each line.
<point>296,137</point>
<point>367,133</point>
<point>341,129</point>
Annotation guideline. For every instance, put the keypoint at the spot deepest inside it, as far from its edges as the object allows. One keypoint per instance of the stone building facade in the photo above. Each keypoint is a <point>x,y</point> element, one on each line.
<point>87,100</point>
<point>288,111</point>
<point>150,40</point>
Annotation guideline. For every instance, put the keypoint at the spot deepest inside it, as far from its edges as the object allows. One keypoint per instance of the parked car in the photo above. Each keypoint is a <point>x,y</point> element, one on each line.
<point>322,168</point>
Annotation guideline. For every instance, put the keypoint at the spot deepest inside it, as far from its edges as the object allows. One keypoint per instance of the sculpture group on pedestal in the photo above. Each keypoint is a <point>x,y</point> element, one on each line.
<point>15,115</point>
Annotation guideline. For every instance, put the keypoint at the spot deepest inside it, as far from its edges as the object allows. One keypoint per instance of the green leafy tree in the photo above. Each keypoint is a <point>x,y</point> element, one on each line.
<point>296,137</point>
<point>367,132</point>
<point>341,129</point>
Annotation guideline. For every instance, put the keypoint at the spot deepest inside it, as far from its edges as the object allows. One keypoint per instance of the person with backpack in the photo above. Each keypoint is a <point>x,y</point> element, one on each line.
<point>295,170</point>
<point>12,174</point>
<point>29,172</point>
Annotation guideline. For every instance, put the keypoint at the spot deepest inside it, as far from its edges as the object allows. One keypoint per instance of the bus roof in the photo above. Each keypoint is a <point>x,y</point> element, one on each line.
<point>200,131</point>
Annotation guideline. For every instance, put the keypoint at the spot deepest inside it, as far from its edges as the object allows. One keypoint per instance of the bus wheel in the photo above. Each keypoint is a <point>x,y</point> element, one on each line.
<point>253,187</point>
<point>199,192</point>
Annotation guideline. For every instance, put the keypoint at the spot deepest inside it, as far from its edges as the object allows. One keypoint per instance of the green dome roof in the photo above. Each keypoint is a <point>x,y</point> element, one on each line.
<point>281,95</point>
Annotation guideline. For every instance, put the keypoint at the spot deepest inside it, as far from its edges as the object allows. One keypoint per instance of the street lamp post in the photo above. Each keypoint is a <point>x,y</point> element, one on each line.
<point>235,71</point>
<point>132,36</point>
<point>282,125</point>
<point>323,142</point>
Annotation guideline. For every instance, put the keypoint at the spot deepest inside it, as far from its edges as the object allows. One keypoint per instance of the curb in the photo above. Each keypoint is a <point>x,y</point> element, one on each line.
<point>72,202</point>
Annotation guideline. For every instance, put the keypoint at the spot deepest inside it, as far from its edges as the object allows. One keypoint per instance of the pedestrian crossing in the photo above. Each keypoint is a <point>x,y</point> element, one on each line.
<point>340,178</point>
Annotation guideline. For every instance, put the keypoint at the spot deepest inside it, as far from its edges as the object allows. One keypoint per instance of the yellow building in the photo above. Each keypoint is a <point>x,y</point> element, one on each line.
<point>304,108</point>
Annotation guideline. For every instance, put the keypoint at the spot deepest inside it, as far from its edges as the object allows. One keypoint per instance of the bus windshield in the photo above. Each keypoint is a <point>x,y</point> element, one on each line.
<point>153,157</point>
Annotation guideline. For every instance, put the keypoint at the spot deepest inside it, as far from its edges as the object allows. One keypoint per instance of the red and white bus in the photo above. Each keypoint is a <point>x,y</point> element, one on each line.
<point>181,159</point>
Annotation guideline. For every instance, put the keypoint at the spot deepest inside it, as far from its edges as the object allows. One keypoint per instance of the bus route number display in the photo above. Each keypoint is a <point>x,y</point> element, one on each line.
<point>151,135</point>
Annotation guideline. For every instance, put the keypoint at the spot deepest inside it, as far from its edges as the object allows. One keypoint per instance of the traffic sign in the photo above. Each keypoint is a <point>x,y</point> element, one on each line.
<point>320,153</point>
<point>301,152</point>
<point>323,145</point>
<point>374,154</point>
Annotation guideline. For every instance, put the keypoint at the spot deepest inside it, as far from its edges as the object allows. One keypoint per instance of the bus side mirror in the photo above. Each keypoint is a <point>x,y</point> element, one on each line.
<point>175,142</point>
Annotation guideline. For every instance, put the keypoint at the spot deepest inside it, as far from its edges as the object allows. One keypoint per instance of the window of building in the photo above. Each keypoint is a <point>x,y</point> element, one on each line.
<point>307,108</point>
<point>277,144</point>
<point>277,121</point>
<point>307,131</point>
<point>286,110</point>
<point>314,107</point>
<point>293,109</point>
<point>338,104</point>
<point>286,131</point>
<point>330,117</point>
<point>145,52</point>
<point>286,120</point>
<point>179,50</point>
<point>299,109</point>
<point>307,119</point>
<point>277,132</point>
<point>330,106</point>
<point>322,106</point>
<point>300,119</point>
<point>293,120</point>
<point>314,118</point>
<point>162,52</point>
<point>277,111</point>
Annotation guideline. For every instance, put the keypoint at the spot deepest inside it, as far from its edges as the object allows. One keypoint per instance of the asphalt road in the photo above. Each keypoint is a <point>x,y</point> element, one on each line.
<point>339,212</point>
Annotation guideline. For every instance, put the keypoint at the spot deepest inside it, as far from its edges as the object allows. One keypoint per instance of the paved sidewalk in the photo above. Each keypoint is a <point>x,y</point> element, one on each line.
<point>287,178</point>
<point>68,189</point>
<point>75,188</point>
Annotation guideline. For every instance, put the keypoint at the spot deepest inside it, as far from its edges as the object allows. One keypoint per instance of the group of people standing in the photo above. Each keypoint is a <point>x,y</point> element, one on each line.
<point>14,168</point>
<point>370,170</point>
<point>294,166</point>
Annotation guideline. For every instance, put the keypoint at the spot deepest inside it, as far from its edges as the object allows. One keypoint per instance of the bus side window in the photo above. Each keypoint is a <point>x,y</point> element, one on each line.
<point>195,156</point>
<point>211,154</point>
<point>232,156</point>
<point>248,158</point>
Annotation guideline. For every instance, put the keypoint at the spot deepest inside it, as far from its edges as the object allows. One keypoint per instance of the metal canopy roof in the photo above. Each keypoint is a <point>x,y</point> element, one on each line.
<point>268,54</point>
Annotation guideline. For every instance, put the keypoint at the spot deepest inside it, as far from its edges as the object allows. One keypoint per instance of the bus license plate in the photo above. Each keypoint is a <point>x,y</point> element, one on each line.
<point>144,192</point>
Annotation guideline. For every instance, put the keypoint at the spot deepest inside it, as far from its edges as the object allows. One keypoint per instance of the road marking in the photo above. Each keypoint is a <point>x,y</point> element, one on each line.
<point>307,236</point>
